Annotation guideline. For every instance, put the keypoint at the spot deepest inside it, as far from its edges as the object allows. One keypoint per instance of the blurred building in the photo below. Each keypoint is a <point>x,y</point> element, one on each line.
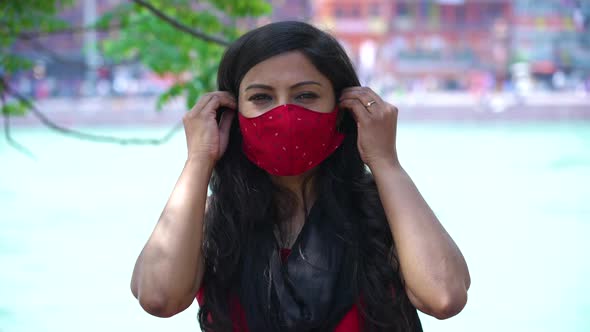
<point>300,10</point>
<point>406,45</point>
<point>552,38</point>
<point>477,45</point>
<point>67,63</point>
<point>282,10</point>
<point>449,44</point>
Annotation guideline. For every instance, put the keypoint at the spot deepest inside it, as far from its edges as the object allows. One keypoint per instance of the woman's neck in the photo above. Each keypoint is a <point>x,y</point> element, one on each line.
<point>290,228</point>
<point>297,184</point>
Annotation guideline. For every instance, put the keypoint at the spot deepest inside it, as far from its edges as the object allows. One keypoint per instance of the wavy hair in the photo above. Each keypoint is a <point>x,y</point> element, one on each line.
<point>244,197</point>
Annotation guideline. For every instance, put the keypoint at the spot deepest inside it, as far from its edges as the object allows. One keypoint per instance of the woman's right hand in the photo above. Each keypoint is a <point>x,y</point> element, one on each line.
<point>204,137</point>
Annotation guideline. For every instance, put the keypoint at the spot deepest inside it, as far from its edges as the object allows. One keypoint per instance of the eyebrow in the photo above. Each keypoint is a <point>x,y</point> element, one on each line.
<point>268,87</point>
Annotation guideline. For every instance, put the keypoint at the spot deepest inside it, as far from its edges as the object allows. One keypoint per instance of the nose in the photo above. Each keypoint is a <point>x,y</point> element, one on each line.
<point>282,98</point>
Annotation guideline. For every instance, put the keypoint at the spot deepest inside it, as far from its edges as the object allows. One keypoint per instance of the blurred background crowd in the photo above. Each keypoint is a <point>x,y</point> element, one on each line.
<point>401,46</point>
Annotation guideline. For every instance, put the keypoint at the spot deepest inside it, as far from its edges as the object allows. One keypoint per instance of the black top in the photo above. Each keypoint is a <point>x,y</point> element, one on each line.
<point>313,289</point>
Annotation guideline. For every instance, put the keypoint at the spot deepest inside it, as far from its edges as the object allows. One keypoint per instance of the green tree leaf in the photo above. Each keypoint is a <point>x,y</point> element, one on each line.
<point>15,109</point>
<point>140,36</point>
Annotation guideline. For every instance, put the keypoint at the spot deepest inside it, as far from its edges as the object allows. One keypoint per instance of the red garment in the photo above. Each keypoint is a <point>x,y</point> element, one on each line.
<point>349,323</point>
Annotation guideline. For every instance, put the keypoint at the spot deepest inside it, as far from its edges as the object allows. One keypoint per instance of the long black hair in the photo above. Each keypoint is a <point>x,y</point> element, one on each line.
<point>244,197</point>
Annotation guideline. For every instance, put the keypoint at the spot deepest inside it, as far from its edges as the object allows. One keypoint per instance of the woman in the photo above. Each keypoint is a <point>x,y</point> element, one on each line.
<point>297,234</point>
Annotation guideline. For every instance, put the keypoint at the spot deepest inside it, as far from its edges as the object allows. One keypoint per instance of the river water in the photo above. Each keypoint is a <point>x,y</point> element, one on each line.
<point>515,197</point>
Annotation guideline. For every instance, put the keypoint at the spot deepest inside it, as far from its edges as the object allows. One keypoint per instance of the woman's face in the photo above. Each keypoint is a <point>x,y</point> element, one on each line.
<point>288,78</point>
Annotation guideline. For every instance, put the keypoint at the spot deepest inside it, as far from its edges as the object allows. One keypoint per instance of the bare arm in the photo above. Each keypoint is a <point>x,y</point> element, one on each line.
<point>170,268</point>
<point>434,270</point>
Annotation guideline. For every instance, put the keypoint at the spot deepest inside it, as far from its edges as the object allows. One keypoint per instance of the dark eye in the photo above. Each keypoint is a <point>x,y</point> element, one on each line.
<point>307,95</point>
<point>259,97</point>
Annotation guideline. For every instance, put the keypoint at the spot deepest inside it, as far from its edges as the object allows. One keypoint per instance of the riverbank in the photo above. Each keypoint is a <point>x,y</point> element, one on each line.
<point>453,107</point>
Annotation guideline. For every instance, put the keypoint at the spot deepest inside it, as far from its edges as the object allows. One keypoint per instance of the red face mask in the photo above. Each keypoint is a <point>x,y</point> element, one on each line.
<point>290,139</point>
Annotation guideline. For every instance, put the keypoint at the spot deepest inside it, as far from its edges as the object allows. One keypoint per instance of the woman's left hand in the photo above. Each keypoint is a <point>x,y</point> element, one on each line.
<point>376,121</point>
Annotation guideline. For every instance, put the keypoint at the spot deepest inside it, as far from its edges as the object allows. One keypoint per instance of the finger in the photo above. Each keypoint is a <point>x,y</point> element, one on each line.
<point>216,102</point>
<point>226,98</point>
<point>366,108</point>
<point>358,110</point>
<point>366,96</point>
<point>225,95</point>
<point>203,100</point>
<point>362,90</point>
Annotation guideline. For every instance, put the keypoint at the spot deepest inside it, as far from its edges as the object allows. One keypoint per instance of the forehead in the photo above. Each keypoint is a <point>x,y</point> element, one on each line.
<point>283,70</point>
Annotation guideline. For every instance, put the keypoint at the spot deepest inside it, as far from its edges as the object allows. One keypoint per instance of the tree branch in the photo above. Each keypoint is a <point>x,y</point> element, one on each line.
<point>7,132</point>
<point>180,26</point>
<point>83,135</point>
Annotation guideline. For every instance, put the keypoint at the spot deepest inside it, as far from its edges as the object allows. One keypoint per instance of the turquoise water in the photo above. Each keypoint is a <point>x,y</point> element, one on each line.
<point>516,199</point>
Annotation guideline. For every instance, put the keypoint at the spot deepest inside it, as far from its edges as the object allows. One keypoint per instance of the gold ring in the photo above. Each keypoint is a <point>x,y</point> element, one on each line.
<point>370,103</point>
